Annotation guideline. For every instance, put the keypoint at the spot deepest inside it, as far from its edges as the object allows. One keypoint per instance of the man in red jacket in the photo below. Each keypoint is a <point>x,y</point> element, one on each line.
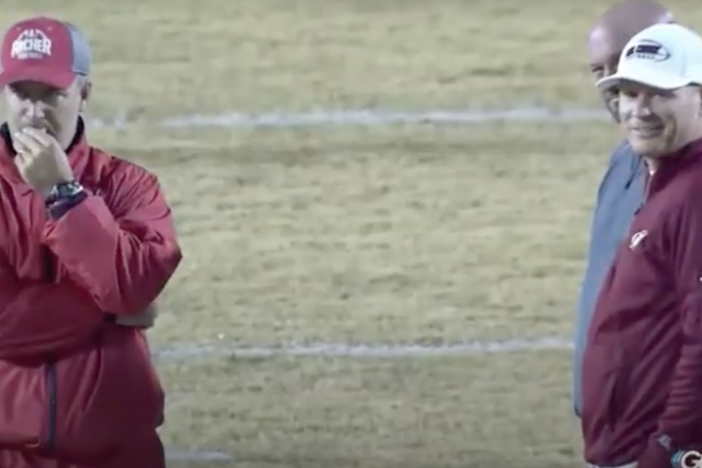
<point>87,243</point>
<point>642,366</point>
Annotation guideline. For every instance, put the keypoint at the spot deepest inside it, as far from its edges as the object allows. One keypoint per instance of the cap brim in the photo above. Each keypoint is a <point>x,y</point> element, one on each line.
<point>49,76</point>
<point>644,76</point>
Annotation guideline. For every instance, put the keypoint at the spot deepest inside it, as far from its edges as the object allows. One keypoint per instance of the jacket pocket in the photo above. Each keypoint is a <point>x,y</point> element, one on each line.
<point>616,403</point>
<point>23,404</point>
<point>114,391</point>
<point>604,387</point>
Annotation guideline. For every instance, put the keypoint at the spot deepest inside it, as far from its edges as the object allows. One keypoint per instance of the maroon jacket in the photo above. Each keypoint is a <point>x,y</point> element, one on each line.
<point>642,369</point>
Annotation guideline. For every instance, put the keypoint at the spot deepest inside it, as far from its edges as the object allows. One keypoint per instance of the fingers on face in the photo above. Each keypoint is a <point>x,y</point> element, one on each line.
<point>27,142</point>
<point>39,135</point>
<point>20,147</point>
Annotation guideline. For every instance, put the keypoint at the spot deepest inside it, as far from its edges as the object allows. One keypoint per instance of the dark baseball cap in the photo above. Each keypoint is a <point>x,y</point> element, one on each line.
<point>44,50</point>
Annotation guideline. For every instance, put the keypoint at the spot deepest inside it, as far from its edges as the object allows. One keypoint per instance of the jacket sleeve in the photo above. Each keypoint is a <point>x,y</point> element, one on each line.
<point>38,318</point>
<point>125,259</point>
<point>682,416</point>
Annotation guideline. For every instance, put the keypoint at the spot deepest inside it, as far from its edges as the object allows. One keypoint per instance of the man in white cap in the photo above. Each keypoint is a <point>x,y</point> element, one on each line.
<point>642,363</point>
<point>621,189</point>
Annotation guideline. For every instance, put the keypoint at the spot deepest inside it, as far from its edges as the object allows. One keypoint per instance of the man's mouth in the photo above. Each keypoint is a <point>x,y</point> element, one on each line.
<point>648,131</point>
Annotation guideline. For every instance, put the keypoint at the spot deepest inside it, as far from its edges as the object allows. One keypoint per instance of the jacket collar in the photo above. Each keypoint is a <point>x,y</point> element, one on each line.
<point>78,155</point>
<point>675,163</point>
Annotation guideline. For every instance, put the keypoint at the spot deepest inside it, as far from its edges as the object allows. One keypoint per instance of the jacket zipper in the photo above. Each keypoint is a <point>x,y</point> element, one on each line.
<point>647,191</point>
<point>51,391</point>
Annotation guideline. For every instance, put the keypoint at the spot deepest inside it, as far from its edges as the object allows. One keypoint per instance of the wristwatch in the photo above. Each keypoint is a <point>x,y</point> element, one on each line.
<point>64,191</point>
<point>63,197</point>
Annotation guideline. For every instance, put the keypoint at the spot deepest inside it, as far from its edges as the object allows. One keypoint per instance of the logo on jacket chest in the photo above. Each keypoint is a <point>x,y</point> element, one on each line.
<point>637,238</point>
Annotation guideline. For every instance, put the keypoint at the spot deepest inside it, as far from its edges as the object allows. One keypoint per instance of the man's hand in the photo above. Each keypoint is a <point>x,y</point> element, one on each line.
<point>145,319</point>
<point>40,160</point>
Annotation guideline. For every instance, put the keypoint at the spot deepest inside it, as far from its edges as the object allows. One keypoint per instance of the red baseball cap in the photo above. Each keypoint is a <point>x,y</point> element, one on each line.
<point>44,50</point>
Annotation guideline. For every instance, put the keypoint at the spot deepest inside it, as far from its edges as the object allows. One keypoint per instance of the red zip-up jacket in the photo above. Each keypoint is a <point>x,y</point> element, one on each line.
<point>71,384</point>
<point>642,373</point>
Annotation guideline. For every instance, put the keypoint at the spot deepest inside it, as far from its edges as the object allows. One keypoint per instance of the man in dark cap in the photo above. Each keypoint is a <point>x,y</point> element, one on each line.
<point>621,191</point>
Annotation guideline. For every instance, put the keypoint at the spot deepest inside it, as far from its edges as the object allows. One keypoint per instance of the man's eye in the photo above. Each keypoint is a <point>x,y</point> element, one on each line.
<point>627,92</point>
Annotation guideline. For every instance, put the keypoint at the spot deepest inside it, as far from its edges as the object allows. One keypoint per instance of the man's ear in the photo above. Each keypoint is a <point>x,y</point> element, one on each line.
<point>85,91</point>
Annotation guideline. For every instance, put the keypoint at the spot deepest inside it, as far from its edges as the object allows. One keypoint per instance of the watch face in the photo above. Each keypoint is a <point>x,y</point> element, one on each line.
<point>65,190</point>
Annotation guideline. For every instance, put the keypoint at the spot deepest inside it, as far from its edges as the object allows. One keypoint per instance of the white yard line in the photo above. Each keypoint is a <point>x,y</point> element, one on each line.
<point>193,350</point>
<point>174,454</point>
<point>357,117</point>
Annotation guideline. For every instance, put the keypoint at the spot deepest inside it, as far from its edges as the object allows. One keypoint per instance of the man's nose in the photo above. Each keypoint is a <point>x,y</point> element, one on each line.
<point>642,105</point>
<point>35,109</point>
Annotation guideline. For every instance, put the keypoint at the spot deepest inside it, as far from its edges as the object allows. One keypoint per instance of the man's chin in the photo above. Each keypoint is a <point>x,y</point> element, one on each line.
<point>647,148</point>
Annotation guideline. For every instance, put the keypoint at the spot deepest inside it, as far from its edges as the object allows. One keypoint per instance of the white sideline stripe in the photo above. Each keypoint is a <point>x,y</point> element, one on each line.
<point>195,455</point>
<point>356,117</point>
<point>192,350</point>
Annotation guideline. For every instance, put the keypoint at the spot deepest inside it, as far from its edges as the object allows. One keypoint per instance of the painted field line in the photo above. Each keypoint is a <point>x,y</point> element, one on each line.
<point>187,351</point>
<point>195,455</point>
<point>366,117</point>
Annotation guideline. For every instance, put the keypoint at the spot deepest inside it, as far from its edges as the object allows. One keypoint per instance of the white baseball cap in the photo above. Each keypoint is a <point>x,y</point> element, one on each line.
<point>663,56</point>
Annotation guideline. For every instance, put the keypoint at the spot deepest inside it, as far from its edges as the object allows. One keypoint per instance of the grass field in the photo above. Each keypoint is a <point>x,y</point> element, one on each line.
<point>370,235</point>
